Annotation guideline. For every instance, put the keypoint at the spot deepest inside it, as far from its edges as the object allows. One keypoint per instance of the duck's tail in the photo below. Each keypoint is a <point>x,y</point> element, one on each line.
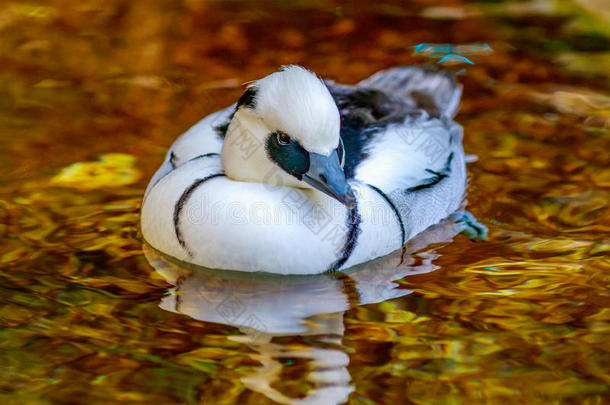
<point>430,89</point>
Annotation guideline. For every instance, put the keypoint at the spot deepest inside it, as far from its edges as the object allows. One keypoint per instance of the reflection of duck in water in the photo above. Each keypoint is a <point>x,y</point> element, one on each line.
<point>264,307</point>
<point>303,176</point>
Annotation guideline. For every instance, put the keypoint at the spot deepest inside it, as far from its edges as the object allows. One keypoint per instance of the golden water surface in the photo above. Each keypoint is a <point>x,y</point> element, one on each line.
<point>93,92</point>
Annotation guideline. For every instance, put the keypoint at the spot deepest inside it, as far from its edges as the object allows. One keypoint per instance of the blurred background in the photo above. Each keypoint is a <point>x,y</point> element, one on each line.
<point>92,93</point>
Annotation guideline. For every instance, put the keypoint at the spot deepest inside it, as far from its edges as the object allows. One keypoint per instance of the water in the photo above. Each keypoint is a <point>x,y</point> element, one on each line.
<point>91,95</point>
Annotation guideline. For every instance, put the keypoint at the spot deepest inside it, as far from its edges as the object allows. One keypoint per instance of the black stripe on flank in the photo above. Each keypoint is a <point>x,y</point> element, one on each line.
<point>172,162</point>
<point>205,155</point>
<point>173,157</point>
<point>180,204</point>
<point>438,176</point>
<point>429,182</point>
<point>391,204</point>
<point>353,225</point>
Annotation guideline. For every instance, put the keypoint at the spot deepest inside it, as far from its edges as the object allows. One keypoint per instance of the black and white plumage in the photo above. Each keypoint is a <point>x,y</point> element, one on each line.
<point>303,176</point>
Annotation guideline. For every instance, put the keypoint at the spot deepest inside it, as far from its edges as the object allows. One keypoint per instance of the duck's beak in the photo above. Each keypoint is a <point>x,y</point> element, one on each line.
<point>325,174</point>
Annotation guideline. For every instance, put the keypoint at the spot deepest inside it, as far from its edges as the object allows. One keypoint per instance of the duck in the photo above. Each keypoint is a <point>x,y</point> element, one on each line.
<point>306,176</point>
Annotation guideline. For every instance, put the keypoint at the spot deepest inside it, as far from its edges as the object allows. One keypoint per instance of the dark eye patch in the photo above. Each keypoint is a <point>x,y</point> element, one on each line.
<point>292,158</point>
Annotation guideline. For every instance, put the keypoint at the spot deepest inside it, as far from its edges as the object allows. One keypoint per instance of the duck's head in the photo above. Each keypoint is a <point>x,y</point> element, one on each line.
<point>285,131</point>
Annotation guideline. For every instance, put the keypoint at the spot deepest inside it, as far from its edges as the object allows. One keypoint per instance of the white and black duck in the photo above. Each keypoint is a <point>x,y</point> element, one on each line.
<point>304,176</point>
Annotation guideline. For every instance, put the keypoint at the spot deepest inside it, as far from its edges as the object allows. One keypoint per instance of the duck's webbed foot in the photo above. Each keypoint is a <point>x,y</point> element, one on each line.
<point>467,225</point>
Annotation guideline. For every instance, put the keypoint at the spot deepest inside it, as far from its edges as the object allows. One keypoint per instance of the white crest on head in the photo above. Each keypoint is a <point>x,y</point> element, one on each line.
<point>295,101</point>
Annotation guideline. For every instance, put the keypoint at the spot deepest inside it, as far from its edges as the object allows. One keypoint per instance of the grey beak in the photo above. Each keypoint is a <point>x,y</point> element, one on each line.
<point>325,174</point>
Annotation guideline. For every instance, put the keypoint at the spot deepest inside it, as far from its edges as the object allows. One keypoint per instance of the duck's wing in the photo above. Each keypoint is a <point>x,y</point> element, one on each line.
<point>397,127</point>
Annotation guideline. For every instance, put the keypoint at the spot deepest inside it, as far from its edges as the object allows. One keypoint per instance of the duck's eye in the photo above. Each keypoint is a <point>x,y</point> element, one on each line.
<point>282,138</point>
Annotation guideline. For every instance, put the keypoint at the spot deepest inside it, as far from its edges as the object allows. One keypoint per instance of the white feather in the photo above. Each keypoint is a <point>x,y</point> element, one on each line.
<point>296,101</point>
